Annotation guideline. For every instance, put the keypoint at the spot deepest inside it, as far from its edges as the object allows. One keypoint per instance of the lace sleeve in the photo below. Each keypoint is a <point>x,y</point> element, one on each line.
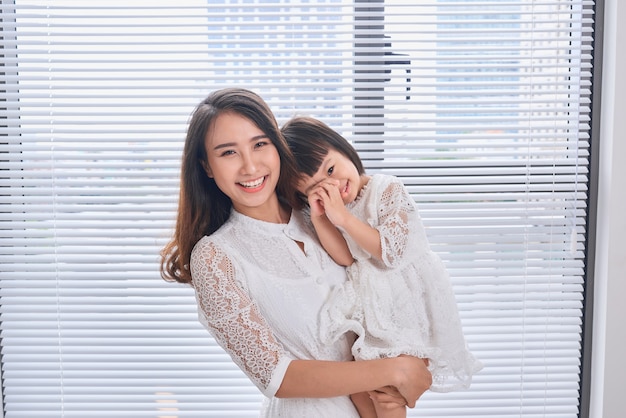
<point>234,320</point>
<point>396,215</point>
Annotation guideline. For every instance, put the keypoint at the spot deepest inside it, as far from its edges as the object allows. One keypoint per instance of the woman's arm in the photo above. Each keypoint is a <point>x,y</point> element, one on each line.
<point>237,325</point>
<point>233,319</point>
<point>321,379</point>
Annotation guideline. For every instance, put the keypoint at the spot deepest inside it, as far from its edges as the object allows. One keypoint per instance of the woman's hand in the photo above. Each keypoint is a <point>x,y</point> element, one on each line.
<point>413,378</point>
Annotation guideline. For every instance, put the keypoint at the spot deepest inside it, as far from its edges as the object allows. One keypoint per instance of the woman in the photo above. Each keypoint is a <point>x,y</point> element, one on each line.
<point>259,273</point>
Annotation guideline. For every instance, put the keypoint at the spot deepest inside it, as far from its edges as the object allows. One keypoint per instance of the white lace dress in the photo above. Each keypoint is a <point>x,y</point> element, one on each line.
<point>260,296</point>
<point>404,304</point>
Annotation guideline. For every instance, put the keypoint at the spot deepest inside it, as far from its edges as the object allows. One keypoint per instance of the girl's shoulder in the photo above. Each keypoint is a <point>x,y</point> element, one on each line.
<point>389,192</point>
<point>384,183</point>
<point>382,178</point>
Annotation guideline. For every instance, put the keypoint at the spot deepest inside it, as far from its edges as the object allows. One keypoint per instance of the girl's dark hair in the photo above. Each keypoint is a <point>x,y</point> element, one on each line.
<point>202,206</point>
<point>310,140</point>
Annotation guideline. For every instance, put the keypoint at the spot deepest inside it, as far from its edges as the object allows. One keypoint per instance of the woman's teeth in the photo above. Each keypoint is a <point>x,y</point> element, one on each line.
<point>251,184</point>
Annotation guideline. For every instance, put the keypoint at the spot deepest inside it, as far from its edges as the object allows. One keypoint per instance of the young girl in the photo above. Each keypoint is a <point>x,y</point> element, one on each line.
<point>398,298</point>
<point>259,274</point>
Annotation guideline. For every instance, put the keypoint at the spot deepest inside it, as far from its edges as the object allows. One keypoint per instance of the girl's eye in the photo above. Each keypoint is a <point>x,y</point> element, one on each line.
<point>260,144</point>
<point>227,152</point>
<point>330,170</point>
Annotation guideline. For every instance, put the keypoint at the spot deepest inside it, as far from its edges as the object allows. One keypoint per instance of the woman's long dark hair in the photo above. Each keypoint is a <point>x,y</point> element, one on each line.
<point>202,206</point>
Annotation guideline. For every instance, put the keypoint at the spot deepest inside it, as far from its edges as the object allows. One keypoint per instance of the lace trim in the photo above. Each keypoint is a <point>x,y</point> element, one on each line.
<point>232,317</point>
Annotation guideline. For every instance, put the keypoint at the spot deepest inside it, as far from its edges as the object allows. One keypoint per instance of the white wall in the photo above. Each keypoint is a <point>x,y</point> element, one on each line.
<point>608,374</point>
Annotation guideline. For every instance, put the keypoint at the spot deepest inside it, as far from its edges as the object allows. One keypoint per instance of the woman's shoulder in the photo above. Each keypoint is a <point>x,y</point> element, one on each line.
<point>213,242</point>
<point>207,246</point>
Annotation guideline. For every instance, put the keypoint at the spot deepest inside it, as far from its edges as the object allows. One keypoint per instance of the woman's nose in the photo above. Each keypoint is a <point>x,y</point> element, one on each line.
<point>249,163</point>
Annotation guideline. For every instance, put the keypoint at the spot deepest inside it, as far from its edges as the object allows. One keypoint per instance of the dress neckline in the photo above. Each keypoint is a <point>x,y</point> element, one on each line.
<point>257,224</point>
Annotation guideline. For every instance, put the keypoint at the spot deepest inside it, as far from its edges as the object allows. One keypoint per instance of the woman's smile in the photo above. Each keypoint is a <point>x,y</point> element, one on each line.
<point>253,185</point>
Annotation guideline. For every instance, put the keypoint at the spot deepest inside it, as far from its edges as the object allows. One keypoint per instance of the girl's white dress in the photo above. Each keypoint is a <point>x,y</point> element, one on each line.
<point>260,296</point>
<point>405,303</point>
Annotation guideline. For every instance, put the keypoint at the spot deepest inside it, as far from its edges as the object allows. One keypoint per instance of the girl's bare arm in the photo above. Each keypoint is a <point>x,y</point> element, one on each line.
<point>332,240</point>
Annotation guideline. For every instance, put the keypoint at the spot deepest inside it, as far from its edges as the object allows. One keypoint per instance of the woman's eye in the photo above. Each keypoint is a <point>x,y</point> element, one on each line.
<point>228,152</point>
<point>260,144</point>
<point>330,170</point>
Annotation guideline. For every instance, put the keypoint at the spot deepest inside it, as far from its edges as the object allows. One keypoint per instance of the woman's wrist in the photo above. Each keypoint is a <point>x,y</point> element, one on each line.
<point>410,376</point>
<point>397,376</point>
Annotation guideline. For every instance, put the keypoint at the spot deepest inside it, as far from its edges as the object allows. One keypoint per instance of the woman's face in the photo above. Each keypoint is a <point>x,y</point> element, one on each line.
<point>244,163</point>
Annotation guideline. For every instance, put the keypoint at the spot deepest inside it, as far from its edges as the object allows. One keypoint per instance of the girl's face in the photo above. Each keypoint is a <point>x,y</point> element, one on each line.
<point>338,167</point>
<point>244,163</point>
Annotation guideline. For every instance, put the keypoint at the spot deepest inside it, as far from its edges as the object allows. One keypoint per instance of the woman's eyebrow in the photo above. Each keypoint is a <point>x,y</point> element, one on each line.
<point>224,145</point>
<point>232,144</point>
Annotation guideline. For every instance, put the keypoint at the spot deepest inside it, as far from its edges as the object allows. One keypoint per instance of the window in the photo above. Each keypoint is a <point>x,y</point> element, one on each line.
<point>481,107</point>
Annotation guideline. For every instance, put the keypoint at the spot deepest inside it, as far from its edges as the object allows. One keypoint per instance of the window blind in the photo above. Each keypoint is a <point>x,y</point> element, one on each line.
<point>481,107</point>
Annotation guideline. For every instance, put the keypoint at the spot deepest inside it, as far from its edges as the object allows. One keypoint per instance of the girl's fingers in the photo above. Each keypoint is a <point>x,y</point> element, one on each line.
<point>331,188</point>
<point>388,394</point>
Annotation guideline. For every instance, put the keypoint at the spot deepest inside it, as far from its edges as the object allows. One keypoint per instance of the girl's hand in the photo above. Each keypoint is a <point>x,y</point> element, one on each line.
<point>327,194</point>
<point>388,399</point>
<point>387,395</point>
<point>318,198</point>
<point>388,402</point>
<point>316,204</point>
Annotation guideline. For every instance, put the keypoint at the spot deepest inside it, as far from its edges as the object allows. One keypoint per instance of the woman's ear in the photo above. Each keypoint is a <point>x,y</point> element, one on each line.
<point>207,169</point>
